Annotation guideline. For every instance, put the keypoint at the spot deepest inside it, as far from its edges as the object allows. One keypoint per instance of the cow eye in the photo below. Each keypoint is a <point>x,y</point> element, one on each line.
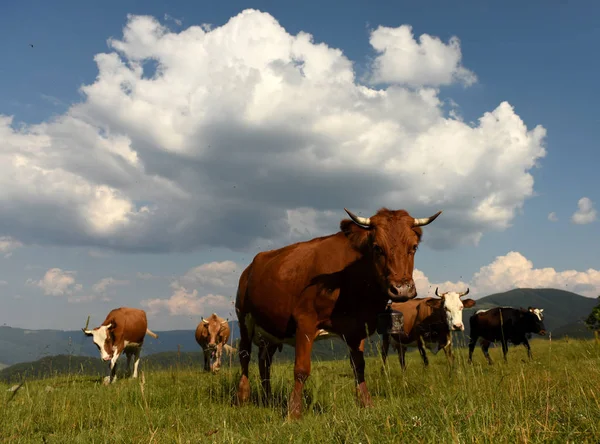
<point>378,250</point>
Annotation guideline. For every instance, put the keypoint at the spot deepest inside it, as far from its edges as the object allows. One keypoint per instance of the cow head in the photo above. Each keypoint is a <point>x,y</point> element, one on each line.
<point>535,320</point>
<point>389,239</point>
<point>215,328</point>
<point>453,307</point>
<point>104,338</point>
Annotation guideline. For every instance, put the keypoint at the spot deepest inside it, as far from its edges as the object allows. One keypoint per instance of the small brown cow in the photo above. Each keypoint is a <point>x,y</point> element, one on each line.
<point>338,283</point>
<point>123,330</point>
<point>212,335</point>
<point>428,321</point>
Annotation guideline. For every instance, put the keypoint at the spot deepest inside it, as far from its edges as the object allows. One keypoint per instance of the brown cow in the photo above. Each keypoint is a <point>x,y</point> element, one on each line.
<point>123,329</point>
<point>427,321</point>
<point>338,283</point>
<point>212,334</point>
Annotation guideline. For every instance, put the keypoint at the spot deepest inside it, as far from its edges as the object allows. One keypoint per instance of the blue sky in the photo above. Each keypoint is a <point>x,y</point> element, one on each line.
<point>537,57</point>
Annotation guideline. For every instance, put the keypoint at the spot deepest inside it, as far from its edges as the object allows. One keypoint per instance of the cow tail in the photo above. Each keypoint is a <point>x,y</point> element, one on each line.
<point>151,333</point>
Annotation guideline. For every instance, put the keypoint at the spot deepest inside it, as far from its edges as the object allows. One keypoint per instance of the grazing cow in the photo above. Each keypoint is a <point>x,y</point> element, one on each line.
<point>336,283</point>
<point>212,335</point>
<point>427,321</point>
<point>505,324</point>
<point>123,330</point>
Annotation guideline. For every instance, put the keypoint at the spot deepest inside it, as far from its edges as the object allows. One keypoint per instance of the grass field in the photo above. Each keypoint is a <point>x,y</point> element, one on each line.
<point>554,398</point>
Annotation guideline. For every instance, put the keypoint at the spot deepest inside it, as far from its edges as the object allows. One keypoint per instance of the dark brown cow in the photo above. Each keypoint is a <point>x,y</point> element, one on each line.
<point>123,329</point>
<point>212,335</point>
<point>505,324</point>
<point>428,321</point>
<point>338,283</point>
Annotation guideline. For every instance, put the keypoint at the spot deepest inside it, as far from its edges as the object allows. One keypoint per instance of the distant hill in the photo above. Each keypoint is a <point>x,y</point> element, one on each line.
<point>563,311</point>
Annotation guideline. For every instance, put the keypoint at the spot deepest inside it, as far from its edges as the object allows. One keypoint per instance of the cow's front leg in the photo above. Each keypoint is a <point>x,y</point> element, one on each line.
<point>357,360</point>
<point>305,335</point>
<point>528,347</point>
<point>113,369</point>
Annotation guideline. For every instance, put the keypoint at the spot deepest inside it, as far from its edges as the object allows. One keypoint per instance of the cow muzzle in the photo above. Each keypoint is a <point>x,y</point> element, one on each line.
<point>458,327</point>
<point>402,292</point>
<point>542,332</point>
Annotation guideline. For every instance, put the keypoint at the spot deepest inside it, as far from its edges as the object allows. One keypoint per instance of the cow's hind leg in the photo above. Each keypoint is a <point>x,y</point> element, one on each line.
<point>265,358</point>
<point>245,349</point>
<point>206,354</point>
<point>357,361</point>
<point>385,345</point>
<point>472,344</point>
<point>505,350</point>
<point>421,347</point>
<point>128,353</point>
<point>485,346</point>
<point>402,356</point>
<point>136,361</point>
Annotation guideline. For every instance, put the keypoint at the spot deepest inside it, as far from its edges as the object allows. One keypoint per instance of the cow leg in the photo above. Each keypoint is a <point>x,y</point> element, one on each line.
<point>128,354</point>
<point>448,351</point>
<point>402,356</point>
<point>136,361</point>
<point>385,345</point>
<point>206,353</point>
<point>113,368</point>
<point>245,349</point>
<point>305,335</point>
<point>217,364</point>
<point>265,357</point>
<point>528,347</point>
<point>472,344</point>
<point>421,347</point>
<point>357,361</point>
<point>504,349</point>
<point>485,345</point>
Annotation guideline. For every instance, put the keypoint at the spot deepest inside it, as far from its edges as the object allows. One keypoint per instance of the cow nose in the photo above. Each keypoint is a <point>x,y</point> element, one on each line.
<point>459,326</point>
<point>402,292</point>
<point>107,358</point>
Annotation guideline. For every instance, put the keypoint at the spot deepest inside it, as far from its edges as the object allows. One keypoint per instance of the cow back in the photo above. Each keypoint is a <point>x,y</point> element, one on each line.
<point>130,324</point>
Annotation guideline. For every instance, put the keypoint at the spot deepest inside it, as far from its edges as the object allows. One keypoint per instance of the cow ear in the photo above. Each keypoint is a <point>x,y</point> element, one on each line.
<point>357,235</point>
<point>468,303</point>
<point>111,326</point>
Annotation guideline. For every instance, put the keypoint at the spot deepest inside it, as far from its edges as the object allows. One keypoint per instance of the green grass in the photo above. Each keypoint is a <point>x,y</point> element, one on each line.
<point>554,398</point>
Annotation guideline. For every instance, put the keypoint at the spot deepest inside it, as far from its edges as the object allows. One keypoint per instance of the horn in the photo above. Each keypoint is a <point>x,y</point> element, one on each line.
<point>224,322</point>
<point>436,292</point>
<point>425,220</point>
<point>204,321</point>
<point>87,323</point>
<point>465,293</point>
<point>365,221</point>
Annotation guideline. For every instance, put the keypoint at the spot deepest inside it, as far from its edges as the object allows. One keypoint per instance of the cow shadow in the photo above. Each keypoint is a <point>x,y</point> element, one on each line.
<point>279,399</point>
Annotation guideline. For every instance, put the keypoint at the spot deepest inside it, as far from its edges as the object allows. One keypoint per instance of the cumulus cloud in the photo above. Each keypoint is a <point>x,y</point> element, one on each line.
<point>586,213</point>
<point>213,279</point>
<point>261,138</point>
<point>515,271</point>
<point>429,61</point>
<point>103,286</point>
<point>57,282</point>
<point>8,245</point>
<point>552,217</point>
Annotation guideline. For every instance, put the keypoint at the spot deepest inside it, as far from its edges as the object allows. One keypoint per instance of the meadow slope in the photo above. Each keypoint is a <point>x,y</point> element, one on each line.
<point>554,398</point>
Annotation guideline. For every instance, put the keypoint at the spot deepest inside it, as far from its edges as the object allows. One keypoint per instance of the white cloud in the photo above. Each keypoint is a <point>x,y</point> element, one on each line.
<point>515,271</point>
<point>552,217</point>
<point>260,138</point>
<point>586,213</point>
<point>213,279</point>
<point>429,61</point>
<point>8,245</point>
<point>2,282</point>
<point>57,282</point>
<point>102,287</point>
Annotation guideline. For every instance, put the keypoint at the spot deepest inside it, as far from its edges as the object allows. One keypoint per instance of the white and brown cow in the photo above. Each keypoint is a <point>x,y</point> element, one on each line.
<point>428,322</point>
<point>123,330</point>
<point>212,335</point>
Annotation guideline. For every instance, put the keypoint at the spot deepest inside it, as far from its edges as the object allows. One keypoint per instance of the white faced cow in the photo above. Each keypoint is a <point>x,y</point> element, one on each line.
<point>123,330</point>
<point>428,321</point>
